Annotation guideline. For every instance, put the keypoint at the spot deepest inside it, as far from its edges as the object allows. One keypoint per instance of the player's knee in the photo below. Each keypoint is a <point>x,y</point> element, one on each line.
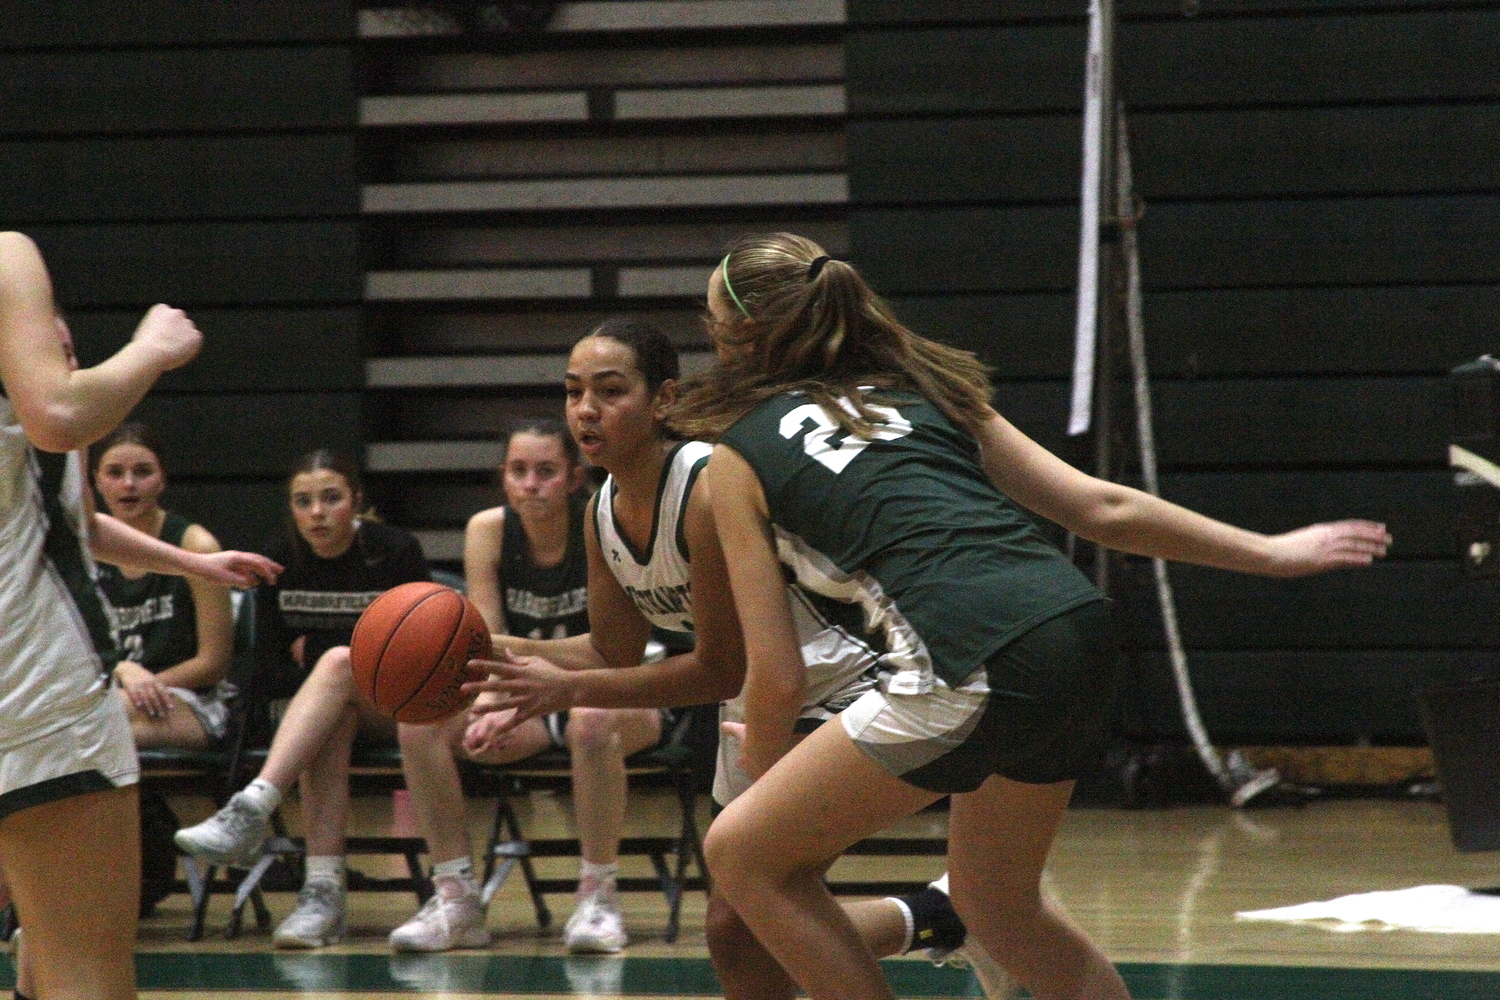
<point>335,663</point>
<point>730,854</point>
<point>591,731</point>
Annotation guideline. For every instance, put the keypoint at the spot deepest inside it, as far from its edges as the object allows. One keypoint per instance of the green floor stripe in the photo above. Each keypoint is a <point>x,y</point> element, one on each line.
<point>467,973</point>
<point>692,977</point>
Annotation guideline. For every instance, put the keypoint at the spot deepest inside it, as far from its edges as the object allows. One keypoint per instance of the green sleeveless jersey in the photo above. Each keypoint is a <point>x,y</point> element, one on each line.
<point>153,617</point>
<point>908,528</point>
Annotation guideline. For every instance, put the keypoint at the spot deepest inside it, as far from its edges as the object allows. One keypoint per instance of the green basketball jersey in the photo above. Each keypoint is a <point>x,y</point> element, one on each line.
<point>908,528</point>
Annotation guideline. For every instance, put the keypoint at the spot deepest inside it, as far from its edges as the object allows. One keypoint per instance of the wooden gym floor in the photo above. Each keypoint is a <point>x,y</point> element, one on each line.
<point>1158,889</point>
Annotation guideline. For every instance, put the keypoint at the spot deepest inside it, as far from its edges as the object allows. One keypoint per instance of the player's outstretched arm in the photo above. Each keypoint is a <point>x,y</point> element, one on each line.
<point>114,541</point>
<point>1131,520</point>
<point>60,406</point>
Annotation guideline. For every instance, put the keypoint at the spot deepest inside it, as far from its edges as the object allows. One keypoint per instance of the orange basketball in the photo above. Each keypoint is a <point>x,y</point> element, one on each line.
<point>411,650</point>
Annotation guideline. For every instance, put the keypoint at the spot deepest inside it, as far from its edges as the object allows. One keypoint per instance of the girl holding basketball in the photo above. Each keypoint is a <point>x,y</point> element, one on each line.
<point>654,560</point>
<point>866,461</point>
<point>68,769</point>
<point>338,560</point>
<point>526,570</point>
<point>174,633</point>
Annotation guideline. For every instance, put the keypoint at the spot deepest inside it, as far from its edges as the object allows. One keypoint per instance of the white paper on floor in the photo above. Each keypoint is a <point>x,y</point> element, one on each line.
<point>1438,909</point>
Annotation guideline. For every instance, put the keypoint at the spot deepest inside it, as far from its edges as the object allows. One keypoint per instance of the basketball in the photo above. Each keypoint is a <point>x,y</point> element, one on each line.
<point>411,649</point>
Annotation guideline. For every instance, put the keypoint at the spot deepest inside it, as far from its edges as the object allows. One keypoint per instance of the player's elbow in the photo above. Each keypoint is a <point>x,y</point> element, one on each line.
<point>53,426</point>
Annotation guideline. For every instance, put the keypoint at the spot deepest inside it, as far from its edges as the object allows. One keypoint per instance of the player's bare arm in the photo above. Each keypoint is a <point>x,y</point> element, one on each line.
<point>1133,521</point>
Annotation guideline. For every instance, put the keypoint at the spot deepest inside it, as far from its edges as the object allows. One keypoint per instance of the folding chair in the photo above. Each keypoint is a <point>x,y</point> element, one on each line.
<point>508,846</point>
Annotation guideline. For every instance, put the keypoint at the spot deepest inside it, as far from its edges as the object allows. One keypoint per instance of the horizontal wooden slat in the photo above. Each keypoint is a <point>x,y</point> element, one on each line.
<point>1392,605</point>
<point>1274,152</point>
<point>441,546</point>
<point>620,244</point>
<point>62,24</point>
<point>57,93</point>
<point>273,350</point>
<point>614,65</point>
<point>473,109</point>
<point>1311,60</point>
<point>1222,423</point>
<point>608,192</point>
<point>244,434</point>
<point>1426,240</point>
<point>427,456</point>
<point>1277,696</point>
<point>509,283</point>
<point>730,102</point>
<point>1228,332</point>
<point>637,15</point>
<point>205,263</point>
<point>163,178</point>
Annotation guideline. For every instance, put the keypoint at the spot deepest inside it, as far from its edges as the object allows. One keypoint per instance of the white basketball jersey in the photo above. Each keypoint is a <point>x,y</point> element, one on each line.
<point>840,665</point>
<point>50,674</point>
<point>658,579</point>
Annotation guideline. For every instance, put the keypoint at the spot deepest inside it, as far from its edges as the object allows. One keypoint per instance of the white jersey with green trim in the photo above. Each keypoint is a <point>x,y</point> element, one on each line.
<point>50,672</point>
<point>840,666</point>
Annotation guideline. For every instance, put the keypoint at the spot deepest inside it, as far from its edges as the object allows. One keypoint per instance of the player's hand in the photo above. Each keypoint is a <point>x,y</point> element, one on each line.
<point>238,569</point>
<point>1332,545</point>
<point>488,731</point>
<point>530,685</point>
<point>148,695</point>
<point>170,336</point>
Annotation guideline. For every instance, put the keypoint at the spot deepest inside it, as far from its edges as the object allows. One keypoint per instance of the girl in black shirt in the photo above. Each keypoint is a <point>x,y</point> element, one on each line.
<point>337,562</point>
<point>174,633</point>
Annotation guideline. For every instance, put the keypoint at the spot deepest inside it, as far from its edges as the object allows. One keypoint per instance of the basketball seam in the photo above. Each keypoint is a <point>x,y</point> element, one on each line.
<point>463,613</point>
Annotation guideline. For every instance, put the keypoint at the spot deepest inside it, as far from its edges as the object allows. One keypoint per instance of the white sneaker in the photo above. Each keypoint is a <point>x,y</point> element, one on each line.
<point>318,918</point>
<point>444,922</point>
<point>231,836</point>
<point>597,926</point>
<point>993,979</point>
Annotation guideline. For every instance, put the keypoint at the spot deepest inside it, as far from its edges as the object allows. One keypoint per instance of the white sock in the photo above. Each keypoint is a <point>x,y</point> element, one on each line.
<point>329,867</point>
<point>604,876</point>
<point>911,923</point>
<point>459,870</point>
<point>262,796</point>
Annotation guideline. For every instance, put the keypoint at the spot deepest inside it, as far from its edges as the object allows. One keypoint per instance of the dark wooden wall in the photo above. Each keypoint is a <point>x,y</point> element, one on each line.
<point>1322,188</point>
<point>200,154</point>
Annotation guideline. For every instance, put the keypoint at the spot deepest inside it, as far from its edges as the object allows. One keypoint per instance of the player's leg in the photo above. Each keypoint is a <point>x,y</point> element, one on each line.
<point>80,905</point>
<point>769,849</point>
<point>454,917</point>
<point>321,713</point>
<point>998,841</point>
<point>598,741</point>
<point>178,728</point>
<point>322,903</point>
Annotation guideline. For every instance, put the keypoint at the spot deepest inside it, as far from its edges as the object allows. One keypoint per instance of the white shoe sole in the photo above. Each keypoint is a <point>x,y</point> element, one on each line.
<point>475,937</point>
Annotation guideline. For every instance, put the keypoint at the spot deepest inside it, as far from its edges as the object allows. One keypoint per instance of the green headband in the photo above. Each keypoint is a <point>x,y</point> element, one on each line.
<point>724,270</point>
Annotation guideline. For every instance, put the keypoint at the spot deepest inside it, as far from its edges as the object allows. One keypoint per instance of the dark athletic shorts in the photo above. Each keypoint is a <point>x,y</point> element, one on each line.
<point>1039,711</point>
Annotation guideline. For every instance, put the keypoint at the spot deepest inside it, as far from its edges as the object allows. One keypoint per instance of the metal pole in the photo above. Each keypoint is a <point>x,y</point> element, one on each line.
<point>1098,261</point>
